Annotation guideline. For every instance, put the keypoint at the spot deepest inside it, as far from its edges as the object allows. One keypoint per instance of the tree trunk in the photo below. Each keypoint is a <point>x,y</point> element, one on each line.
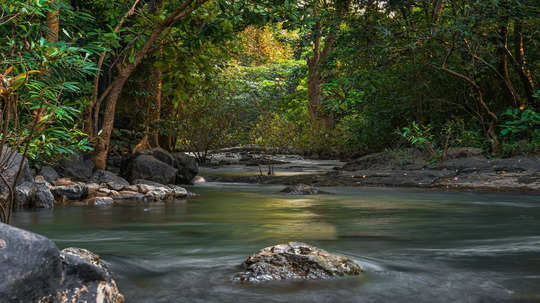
<point>503,63</point>
<point>53,24</point>
<point>103,139</point>
<point>156,112</point>
<point>519,53</point>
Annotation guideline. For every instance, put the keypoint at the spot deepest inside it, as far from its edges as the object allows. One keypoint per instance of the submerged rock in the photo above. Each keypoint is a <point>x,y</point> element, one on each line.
<point>295,261</point>
<point>302,189</point>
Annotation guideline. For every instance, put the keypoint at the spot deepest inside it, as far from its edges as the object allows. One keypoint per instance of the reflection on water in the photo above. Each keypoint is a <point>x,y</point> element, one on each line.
<point>416,246</point>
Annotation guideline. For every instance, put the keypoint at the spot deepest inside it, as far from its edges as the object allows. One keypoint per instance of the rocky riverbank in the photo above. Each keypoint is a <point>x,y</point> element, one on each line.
<point>144,177</point>
<point>464,168</point>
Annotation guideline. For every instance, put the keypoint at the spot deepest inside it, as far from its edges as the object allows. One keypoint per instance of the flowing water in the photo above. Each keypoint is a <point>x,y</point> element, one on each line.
<point>414,245</point>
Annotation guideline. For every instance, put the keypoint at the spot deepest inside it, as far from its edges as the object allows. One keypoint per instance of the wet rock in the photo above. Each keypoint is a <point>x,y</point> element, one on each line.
<point>87,279</point>
<point>74,191</point>
<point>159,194</point>
<point>11,160</point>
<point>302,189</point>
<point>36,195</point>
<point>401,159</point>
<point>294,261</point>
<point>179,192</point>
<point>77,167</point>
<point>124,195</point>
<point>29,263</point>
<point>99,201</point>
<point>49,174</point>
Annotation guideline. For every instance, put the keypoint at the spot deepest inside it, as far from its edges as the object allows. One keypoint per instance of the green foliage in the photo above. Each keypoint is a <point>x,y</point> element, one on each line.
<point>520,131</point>
<point>55,94</point>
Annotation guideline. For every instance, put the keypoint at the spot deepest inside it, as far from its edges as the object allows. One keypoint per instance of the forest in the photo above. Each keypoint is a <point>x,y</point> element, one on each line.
<point>341,76</point>
<point>139,104</point>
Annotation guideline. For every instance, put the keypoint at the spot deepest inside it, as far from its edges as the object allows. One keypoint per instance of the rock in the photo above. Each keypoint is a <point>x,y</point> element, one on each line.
<point>49,174</point>
<point>11,160</point>
<point>159,194</point>
<point>22,194</point>
<point>128,195</point>
<point>99,201</point>
<point>400,159</point>
<point>87,279</point>
<point>302,189</point>
<point>179,192</point>
<point>41,196</point>
<point>75,191</point>
<point>162,155</point>
<point>147,182</point>
<point>149,168</point>
<point>198,179</point>
<point>112,180</point>
<point>463,152</point>
<point>187,167</point>
<point>37,194</point>
<point>77,167</point>
<point>30,265</point>
<point>34,270</point>
<point>294,261</point>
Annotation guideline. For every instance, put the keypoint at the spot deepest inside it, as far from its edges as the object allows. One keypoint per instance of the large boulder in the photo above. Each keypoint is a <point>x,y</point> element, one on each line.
<point>77,167</point>
<point>295,261</point>
<point>187,167</point>
<point>11,160</point>
<point>87,279</point>
<point>149,168</point>
<point>34,270</point>
<point>30,265</point>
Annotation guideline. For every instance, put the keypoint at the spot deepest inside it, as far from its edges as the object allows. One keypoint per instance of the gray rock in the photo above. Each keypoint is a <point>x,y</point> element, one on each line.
<point>179,192</point>
<point>99,201</point>
<point>463,152</point>
<point>75,191</point>
<point>30,265</point>
<point>36,195</point>
<point>147,182</point>
<point>49,174</point>
<point>149,168</point>
<point>187,167</point>
<point>41,196</point>
<point>295,261</point>
<point>23,194</point>
<point>103,176</point>
<point>77,167</point>
<point>12,160</point>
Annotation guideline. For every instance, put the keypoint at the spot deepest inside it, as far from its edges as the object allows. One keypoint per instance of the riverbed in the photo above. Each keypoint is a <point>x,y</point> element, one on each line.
<point>414,245</point>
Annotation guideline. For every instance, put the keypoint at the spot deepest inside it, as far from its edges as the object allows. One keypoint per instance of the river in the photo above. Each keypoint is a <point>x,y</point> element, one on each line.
<point>414,245</point>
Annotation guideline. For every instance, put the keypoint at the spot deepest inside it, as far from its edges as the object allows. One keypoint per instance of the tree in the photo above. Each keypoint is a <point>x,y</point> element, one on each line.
<point>126,67</point>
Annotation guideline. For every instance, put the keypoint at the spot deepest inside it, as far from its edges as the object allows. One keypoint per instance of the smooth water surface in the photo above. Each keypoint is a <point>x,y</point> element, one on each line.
<point>415,246</point>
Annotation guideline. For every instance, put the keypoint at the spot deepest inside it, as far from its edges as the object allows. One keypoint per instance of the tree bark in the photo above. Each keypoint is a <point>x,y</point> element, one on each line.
<point>519,54</point>
<point>503,63</point>
<point>53,23</point>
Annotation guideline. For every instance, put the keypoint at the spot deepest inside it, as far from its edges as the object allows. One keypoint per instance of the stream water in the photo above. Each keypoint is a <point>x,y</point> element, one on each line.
<point>414,245</point>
